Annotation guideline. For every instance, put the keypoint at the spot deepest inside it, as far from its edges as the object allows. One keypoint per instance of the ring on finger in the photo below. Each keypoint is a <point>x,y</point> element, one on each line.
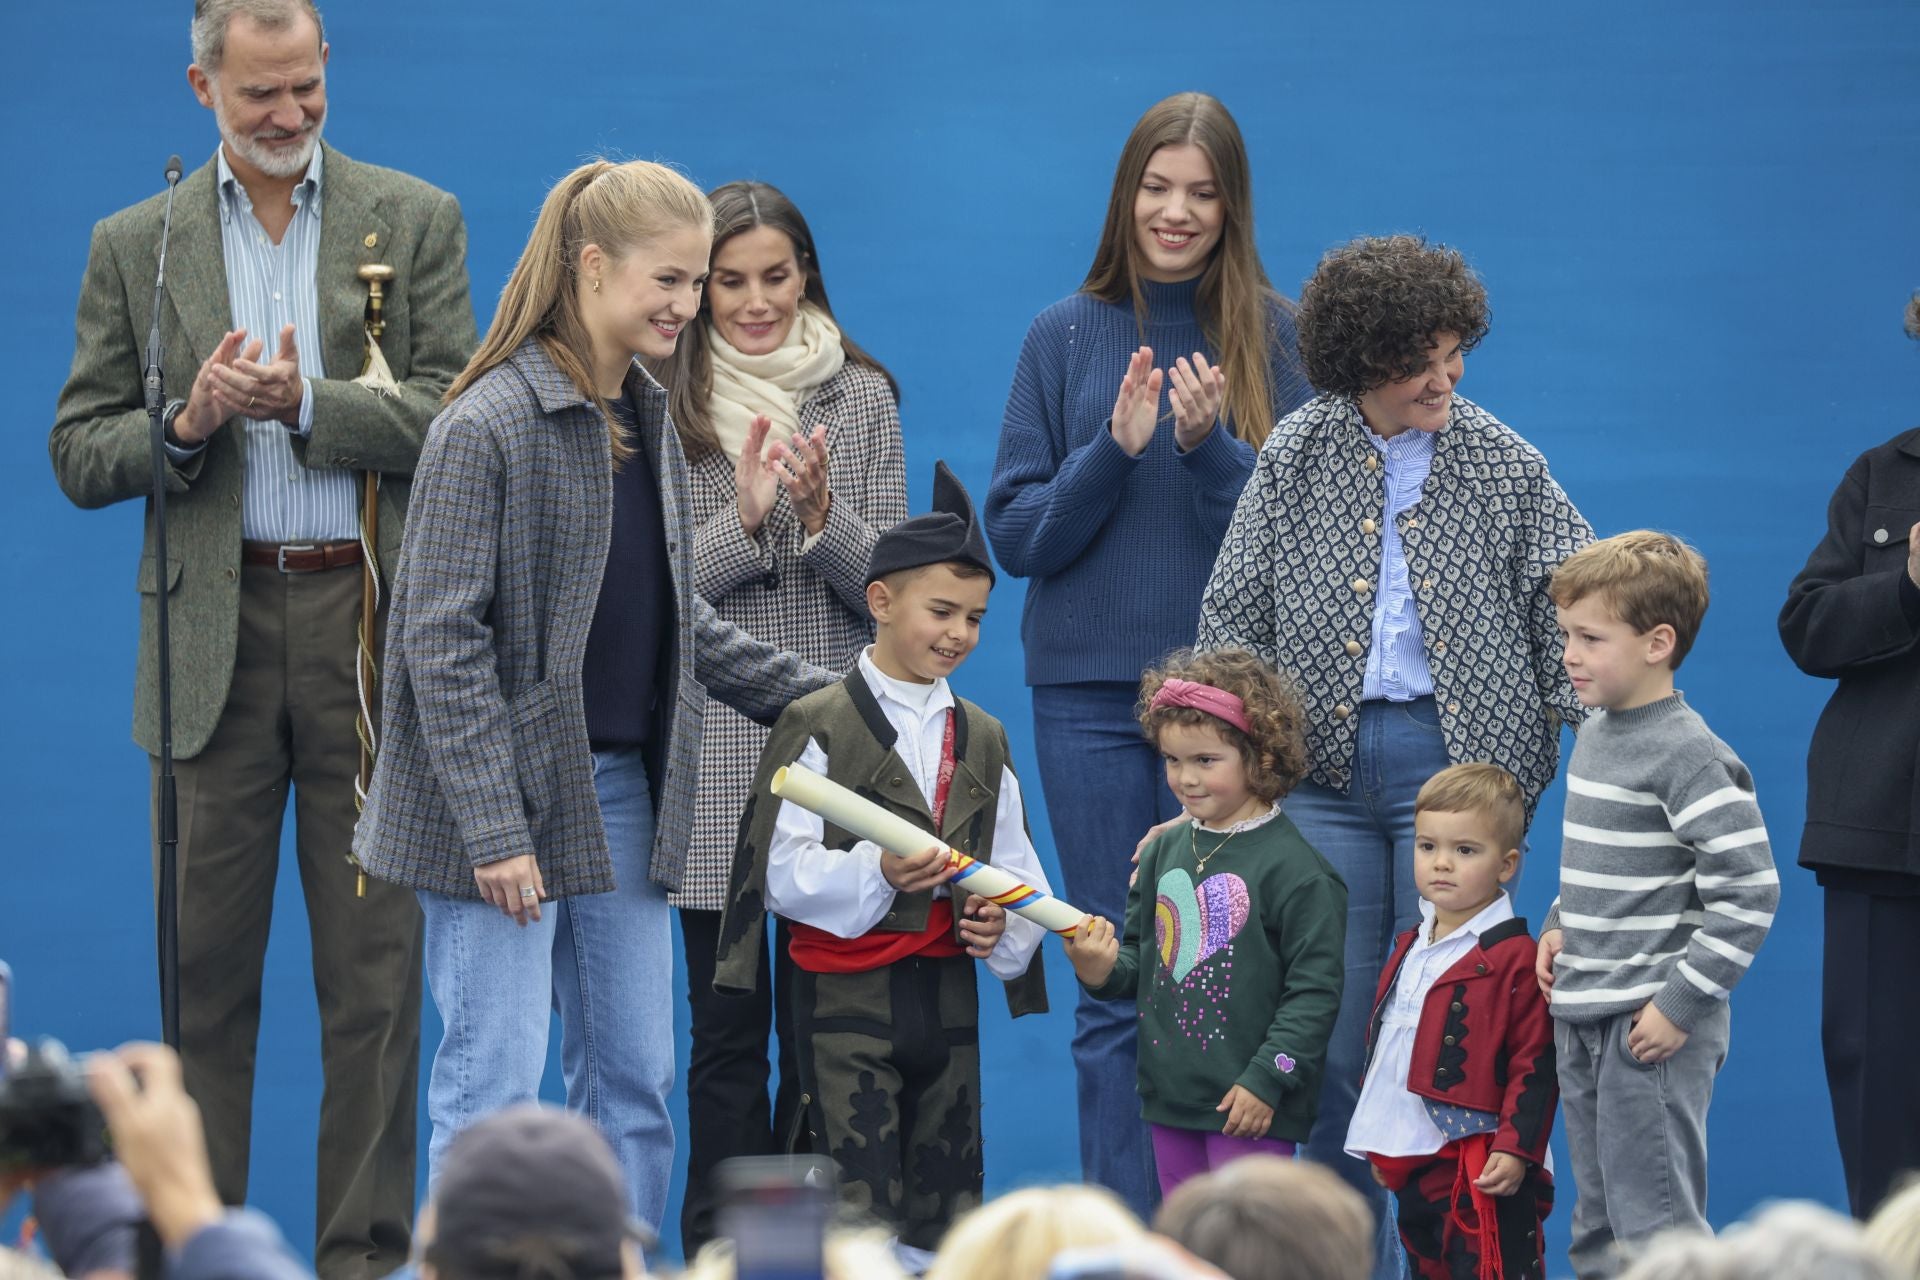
<point>527,893</point>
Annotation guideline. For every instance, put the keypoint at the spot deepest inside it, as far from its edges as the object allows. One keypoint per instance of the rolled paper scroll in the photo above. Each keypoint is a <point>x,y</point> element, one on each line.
<point>900,838</point>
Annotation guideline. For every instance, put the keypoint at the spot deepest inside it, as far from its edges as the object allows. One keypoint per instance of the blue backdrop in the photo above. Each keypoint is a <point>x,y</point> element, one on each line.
<point>1696,223</point>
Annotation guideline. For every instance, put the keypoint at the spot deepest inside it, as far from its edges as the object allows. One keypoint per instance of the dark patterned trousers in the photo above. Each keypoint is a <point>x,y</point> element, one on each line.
<point>1439,1226</point>
<point>890,1077</point>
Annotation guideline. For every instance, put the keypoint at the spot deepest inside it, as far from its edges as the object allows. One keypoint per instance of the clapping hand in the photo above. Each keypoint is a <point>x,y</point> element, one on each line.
<point>801,468</point>
<point>1137,408</point>
<point>265,392</point>
<point>1196,390</point>
<point>752,479</point>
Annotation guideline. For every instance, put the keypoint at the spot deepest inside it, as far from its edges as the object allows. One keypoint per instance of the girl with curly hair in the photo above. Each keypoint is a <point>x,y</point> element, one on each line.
<point>1131,427</point>
<point>1235,926</point>
<point>1392,552</point>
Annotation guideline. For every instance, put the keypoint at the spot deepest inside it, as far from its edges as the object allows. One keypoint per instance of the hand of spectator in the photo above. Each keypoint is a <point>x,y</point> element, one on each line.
<point>1653,1038</point>
<point>1502,1175</point>
<point>1247,1116</point>
<point>505,883</point>
<point>917,872</point>
<point>801,469</point>
<point>1196,391</point>
<point>1093,949</point>
<point>981,925</point>
<point>1551,943</point>
<point>1136,410</point>
<point>753,481</point>
<point>157,1137</point>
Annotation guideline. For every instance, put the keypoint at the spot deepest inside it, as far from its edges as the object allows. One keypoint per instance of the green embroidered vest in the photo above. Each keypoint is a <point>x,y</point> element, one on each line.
<point>847,722</point>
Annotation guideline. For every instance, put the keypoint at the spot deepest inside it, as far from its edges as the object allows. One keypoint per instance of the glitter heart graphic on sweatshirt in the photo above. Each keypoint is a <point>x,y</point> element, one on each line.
<point>1191,923</point>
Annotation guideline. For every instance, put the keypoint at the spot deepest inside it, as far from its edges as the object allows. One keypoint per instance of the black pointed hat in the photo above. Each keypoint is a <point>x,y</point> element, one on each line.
<point>948,534</point>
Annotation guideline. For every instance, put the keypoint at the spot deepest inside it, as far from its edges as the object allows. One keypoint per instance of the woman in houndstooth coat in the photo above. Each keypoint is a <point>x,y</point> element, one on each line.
<point>793,448</point>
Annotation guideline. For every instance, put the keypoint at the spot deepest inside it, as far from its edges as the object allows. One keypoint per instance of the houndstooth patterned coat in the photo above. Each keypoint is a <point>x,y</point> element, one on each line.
<point>812,603</point>
<point>1296,577</point>
<point>485,754</point>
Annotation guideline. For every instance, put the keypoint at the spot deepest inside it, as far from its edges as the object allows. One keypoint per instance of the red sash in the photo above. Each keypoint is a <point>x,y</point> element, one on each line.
<point>1470,1161</point>
<point>818,951</point>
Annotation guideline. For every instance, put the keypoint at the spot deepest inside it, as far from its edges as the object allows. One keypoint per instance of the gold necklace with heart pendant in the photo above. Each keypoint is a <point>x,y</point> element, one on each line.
<point>1193,842</point>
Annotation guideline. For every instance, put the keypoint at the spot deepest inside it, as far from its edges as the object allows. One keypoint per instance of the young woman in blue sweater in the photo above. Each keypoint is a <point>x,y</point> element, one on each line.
<point>1136,409</point>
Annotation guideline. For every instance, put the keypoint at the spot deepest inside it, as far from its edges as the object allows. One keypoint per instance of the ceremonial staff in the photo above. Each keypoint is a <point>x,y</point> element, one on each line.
<point>378,378</point>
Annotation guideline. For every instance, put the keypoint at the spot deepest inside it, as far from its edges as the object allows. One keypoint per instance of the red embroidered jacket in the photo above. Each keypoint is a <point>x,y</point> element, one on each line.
<point>1485,1039</point>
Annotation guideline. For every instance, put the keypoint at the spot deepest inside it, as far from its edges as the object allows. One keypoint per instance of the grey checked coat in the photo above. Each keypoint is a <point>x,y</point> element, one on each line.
<point>1296,578</point>
<point>485,755</point>
<point>812,603</point>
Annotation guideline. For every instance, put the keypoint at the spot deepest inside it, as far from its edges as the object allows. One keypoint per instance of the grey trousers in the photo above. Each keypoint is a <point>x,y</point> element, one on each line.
<point>1637,1135</point>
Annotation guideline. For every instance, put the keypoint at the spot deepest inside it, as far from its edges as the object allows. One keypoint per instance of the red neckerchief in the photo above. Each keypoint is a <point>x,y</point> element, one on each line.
<point>943,782</point>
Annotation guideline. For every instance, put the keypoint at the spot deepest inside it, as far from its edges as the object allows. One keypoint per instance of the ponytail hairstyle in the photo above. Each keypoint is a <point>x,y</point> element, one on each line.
<point>1236,301</point>
<point>616,206</point>
<point>688,375</point>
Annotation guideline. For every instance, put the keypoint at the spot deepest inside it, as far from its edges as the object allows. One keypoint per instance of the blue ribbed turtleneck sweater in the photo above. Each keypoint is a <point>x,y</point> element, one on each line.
<point>1116,549</point>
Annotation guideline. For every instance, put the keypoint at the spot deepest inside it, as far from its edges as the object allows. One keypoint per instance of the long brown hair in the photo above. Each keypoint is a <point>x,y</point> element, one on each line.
<point>739,207</point>
<point>1236,301</point>
<point>616,206</point>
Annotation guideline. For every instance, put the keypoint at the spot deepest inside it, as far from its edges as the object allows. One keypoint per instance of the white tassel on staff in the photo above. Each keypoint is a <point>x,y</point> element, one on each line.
<point>901,838</point>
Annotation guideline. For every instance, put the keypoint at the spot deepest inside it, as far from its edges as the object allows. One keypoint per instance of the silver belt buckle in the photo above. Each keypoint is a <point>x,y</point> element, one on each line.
<point>297,546</point>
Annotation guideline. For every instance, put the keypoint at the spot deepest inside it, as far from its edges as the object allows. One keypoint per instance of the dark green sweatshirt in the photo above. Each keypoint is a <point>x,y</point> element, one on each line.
<point>1238,976</point>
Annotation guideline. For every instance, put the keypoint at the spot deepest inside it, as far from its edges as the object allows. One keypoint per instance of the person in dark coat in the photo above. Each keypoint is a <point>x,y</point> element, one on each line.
<point>1853,615</point>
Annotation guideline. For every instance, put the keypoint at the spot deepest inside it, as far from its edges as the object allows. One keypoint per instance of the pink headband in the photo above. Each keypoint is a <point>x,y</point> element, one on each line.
<point>1204,697</point>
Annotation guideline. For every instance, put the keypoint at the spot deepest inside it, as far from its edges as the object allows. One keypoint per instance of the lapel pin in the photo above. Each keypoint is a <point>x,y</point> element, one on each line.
<point>371,240</point>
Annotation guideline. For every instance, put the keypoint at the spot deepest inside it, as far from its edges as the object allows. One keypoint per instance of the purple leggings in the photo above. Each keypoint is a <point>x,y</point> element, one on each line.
<point>1180,1154</point>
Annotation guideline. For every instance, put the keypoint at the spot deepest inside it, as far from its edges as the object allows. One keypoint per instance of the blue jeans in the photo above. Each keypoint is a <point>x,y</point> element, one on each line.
<point>1105,785</point>
<point>603,962</point>
<point>1367,834</point>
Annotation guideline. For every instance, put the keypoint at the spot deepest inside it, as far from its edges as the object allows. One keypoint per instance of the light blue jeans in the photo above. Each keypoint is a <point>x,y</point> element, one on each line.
<point>1367,834</point>
<point>603,962</point>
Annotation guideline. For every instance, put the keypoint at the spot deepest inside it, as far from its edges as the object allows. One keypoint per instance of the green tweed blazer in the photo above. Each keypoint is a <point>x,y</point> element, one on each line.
<point>99,442</point>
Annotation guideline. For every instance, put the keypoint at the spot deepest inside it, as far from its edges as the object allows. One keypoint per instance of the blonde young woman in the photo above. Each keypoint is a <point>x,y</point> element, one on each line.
<point>546,657</point>
<point>1131,427</point>
<point>794,463</point>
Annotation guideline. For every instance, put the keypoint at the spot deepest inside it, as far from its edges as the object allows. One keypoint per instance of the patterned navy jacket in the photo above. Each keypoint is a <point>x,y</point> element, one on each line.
<point>1297,575</point>
<point>1485,1041</point>
<point>484,754</point>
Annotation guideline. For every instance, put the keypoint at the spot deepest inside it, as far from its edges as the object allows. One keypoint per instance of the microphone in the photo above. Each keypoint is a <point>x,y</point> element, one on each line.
<point>168,907</point>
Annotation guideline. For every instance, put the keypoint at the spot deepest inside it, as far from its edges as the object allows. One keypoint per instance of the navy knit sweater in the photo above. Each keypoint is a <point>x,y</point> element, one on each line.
<point>1117,549</point>
<point>634,615</point>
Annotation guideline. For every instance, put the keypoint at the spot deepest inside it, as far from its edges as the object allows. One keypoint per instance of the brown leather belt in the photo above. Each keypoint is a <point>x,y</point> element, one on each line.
<point>301,557</point>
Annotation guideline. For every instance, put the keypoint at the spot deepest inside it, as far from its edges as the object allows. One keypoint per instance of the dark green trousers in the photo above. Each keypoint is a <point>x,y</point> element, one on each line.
<point>890,1076</point>
<point>288,725</point>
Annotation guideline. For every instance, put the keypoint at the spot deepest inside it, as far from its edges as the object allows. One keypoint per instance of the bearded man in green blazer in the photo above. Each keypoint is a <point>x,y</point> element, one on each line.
<point>269,442</point>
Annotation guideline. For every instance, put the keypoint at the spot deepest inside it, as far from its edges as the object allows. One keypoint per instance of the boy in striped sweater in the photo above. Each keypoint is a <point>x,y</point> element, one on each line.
<point>1667,888</point>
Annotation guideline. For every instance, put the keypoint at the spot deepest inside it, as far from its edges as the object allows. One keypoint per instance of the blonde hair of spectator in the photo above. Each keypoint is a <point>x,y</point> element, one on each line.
<point>1017,1235</point>
<point>1893,1232</point>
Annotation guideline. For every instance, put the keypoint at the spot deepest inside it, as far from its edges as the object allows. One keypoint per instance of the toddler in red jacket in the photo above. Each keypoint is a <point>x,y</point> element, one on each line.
<point>1457,1107</point>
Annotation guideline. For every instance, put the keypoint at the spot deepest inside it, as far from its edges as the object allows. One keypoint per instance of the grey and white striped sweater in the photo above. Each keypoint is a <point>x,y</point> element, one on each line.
<point>1667,883</point>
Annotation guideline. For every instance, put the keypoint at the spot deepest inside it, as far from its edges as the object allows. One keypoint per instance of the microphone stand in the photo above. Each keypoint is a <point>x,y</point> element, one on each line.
<point>169,904</point>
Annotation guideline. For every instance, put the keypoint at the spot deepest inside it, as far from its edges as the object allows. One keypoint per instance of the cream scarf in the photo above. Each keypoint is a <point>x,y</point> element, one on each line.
<point>775,384</point>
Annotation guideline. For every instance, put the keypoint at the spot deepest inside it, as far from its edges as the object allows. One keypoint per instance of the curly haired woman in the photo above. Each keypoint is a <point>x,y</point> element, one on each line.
<point>1391,552</point>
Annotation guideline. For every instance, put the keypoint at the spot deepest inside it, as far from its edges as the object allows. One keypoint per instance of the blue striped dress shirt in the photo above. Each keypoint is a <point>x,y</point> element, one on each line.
<point>271,286</point>
<point>1397,660</point>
